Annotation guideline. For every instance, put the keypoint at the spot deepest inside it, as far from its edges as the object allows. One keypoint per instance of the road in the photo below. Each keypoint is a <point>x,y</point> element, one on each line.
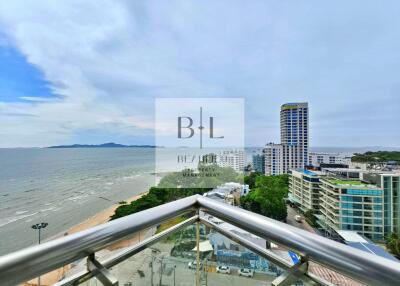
<point>292,212</point>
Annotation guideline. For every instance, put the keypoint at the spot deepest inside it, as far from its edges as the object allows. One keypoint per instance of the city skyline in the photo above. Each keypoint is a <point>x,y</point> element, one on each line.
<point>90,78</point>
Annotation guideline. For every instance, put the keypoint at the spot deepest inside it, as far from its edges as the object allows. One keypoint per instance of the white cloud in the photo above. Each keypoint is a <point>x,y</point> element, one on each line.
<point>37,99</point>
<point>106,61</point>
<point>66,41</point>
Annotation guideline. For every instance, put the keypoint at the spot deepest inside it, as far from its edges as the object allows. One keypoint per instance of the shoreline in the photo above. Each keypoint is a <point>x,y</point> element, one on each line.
<point>95,220</point>
<point>99,218</point>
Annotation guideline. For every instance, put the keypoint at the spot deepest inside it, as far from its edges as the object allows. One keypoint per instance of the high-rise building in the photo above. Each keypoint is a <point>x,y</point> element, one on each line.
<point>259,163</point>
<point>273,159</point>
<point>292,153</point>
<point>294,130</point>
<point>231,158</point>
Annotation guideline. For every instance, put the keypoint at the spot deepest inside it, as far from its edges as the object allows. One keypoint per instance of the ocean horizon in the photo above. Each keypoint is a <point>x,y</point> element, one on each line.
<point>66,186</point>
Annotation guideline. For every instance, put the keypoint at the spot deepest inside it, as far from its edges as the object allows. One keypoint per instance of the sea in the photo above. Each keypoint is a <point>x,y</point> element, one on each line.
<point>66,186</point>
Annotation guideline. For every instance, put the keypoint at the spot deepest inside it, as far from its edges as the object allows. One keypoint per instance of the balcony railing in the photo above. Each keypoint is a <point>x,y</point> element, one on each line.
<point>358,265</point>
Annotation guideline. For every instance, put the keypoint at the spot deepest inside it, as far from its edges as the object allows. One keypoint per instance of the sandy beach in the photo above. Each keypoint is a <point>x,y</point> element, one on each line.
<point>100,218</point>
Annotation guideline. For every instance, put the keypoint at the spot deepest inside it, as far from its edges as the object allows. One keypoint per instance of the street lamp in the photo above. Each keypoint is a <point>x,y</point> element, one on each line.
<point>38,227</point>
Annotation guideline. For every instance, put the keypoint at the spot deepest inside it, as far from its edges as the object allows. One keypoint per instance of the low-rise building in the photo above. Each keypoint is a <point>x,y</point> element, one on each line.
<point>304,189</point>
<point>349,199</point>
<point>351,205</point>
<point>354,239</point>
<point>317,158</point>
<point>229,193</point>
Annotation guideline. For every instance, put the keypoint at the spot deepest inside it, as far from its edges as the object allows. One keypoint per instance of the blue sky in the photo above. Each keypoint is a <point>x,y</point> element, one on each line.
<point>74,72</point>
<point>19,79</point>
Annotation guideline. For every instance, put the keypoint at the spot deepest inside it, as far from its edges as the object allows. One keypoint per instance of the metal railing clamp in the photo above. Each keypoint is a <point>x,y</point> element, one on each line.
<point>100,272</point>
<point>293,274</point>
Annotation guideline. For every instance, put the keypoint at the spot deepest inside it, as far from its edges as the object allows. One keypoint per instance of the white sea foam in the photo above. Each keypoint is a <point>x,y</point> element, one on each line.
<point>79,197</point>
<point>7,220</point>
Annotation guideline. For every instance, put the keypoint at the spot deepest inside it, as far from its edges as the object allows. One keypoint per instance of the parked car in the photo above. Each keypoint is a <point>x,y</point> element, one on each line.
<point>193,264</point>
<point>298,218</point>
<point>223,269</point>
<point>245,272</point>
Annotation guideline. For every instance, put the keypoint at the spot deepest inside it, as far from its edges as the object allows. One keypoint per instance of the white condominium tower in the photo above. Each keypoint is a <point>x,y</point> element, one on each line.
<point>294,129</point>
<point>292,153</point>
<point>231,158</point>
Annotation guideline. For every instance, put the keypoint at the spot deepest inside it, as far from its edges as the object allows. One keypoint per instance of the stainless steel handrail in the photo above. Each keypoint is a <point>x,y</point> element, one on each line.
<point>126,253</point>
<point>359,265</point>
<point>34,261</point>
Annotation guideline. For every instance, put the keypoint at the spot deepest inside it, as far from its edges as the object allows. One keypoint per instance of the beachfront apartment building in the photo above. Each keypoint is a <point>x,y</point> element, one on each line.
<point>304,189</point>
<point>292,152</point>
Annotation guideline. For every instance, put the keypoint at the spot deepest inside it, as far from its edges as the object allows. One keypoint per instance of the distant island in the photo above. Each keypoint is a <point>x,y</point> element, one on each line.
<point>104,145</point>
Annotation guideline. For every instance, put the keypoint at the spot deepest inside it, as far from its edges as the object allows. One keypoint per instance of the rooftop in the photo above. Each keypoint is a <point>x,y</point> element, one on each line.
<point>354,183</point>
<point>309,173</point>
<point>347,182</point>
<point>358,241</point>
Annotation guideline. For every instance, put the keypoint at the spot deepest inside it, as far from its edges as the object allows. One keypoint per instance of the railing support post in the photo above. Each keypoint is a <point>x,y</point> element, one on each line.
<point>100,272</point>
<point>197,253</point>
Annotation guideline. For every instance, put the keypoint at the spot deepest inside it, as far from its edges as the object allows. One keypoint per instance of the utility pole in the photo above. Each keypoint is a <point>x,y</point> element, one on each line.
<point>206,271</point>
<point>174,274</point>
<point>151,270</point>
<point>161,270</point>
<point>197,254</point>
<point>38,227</point>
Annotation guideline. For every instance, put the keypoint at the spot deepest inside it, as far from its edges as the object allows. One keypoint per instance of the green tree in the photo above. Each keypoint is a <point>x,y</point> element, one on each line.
<point>310,217</point>
<point>251,179</point>
<point>379,156</point>
<point>393,244</point>
<point>268,196</point>
<point>178,185</point>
